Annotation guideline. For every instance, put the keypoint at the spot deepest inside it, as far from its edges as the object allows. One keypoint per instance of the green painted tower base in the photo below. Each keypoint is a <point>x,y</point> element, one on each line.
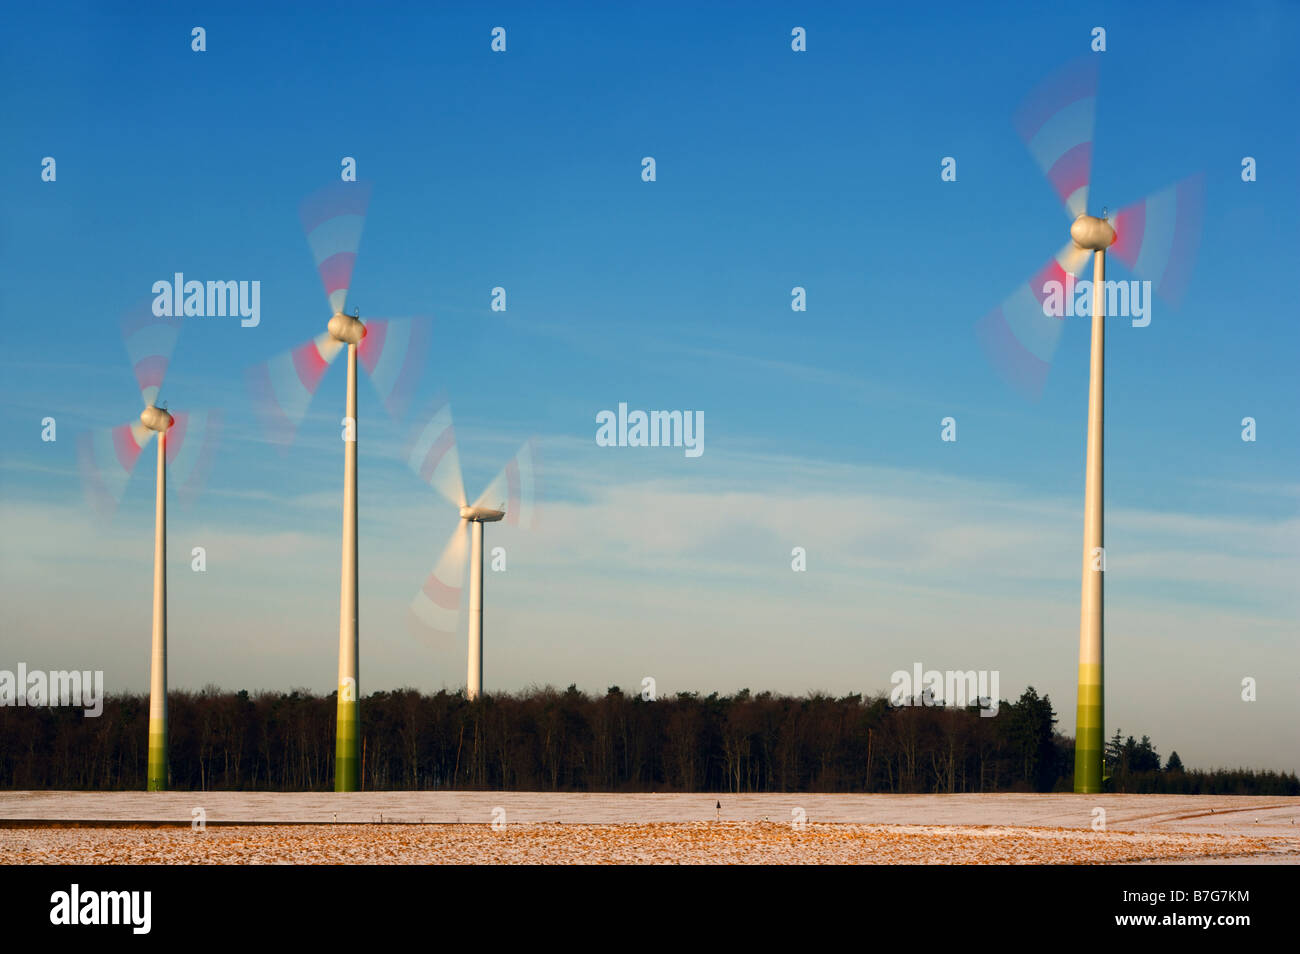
<point>156,777</point>
<point>1088,737</point>
<point>347,748</point>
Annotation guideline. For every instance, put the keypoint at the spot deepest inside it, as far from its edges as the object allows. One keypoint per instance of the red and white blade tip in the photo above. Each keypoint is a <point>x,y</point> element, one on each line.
<point>106,459</point>
<point>333,219</point>
<point>149,342</point>
<point>282,387</point>
<point>1158,237</point>
<point>434,614</point>
<point>1056,123</point>
<point>514,489</point>
<point>1018,338</point>
<point>432,455</point>
<point>393,353</point>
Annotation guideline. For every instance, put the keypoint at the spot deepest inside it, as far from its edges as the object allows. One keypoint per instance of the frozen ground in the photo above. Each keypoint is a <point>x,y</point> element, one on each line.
<point>433,827</point>
<point>657,843</point>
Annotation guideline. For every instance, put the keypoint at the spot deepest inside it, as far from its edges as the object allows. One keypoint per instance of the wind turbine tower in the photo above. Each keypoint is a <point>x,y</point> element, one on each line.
<point>391,351</point>
<point>477,516</point>
<point>1095,235</point>
<point>347,744</point>
<point>107,458</point>
<point>511,497</point>
<point>157,420</point>
<point>1154,237</point>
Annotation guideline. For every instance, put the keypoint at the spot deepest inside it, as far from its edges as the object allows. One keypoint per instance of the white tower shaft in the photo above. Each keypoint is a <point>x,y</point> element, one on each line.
<point>474,684</point>
<point>157,754</point>
<point>347,769</point>
<point>1089,738</point>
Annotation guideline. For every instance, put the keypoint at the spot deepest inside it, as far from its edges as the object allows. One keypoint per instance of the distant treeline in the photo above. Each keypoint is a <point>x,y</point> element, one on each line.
<point>551,740</point>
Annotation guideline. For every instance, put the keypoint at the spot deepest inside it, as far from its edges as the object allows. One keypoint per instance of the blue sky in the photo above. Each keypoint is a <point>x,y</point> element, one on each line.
<point>774,169</point>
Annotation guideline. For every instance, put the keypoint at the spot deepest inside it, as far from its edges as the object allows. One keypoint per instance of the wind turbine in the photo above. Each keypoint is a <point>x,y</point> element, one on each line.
<point>391,352</point>
<point>186,444</point>
<point>1155,237</point>
<point>511,497</point>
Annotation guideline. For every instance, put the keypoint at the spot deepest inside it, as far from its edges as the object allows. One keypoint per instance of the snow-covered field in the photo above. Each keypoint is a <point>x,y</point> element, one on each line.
<point>434,827</point>
<point>688,842</point>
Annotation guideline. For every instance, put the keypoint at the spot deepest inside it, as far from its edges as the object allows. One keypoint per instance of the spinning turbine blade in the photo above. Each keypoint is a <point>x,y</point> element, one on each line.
<point>435,611</point>
<point>333,219</point>
<point>1018,338</point>
<point>106,459</point>
<point>191,451</point>
<point>1056,123</point>
<point>392,353</point>
<point>282,387</point>
<point>1157,238</point>
<point>149,341</point>
<point>433,457</point>
<point>514,490</point>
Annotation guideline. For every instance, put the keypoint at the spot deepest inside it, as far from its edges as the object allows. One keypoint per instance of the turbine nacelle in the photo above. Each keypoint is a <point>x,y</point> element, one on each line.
<point>347,328</point>
<point>481,514</point>
<point>1092,234</point>
<point>156,419</point>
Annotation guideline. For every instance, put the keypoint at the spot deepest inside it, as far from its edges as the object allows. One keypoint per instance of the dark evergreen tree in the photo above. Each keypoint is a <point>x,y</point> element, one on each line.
<point>1114,754</point>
